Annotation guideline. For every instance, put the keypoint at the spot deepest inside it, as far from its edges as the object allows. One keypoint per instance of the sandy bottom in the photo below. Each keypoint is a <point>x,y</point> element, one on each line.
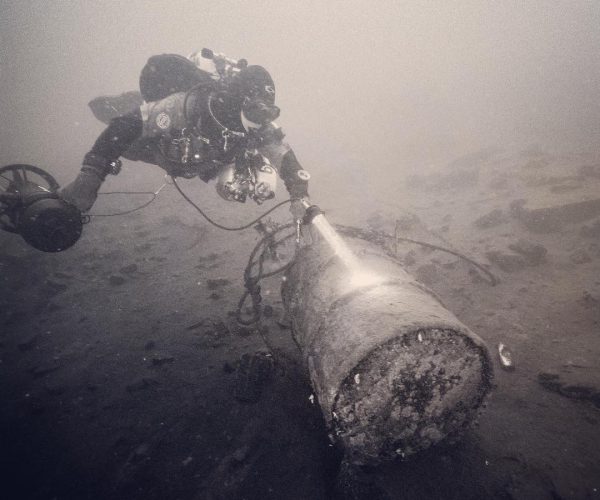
<point>123,376</point>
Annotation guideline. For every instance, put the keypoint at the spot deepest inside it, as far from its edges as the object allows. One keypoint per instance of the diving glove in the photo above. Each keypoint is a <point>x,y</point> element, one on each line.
<point>83,191</point>
<point>298,208</point>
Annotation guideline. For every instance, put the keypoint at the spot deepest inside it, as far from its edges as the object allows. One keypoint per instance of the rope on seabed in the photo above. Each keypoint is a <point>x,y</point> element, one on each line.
<point>252,282</point>
<point>154,194</point>
<point>372,234</point>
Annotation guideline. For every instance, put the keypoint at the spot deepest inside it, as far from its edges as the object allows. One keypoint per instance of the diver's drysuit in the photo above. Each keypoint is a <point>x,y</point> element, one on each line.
<point>193,131</point>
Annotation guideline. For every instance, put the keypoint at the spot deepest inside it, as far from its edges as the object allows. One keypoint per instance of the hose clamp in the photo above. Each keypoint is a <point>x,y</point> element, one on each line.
<point>311,213</point>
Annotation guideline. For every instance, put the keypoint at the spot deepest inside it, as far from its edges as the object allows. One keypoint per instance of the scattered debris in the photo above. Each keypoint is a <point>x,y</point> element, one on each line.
<point>62,276</point>
<point>456,178</point>
<point>588,300</point>
<point>491,219</point>
<point>28,344</point>
<point>241,454</point>
<point>354,483</point>
<point>409,259</point>
<point>52,307</point>
<point>536,163</point>
<point>142,384</point>
<point>590,170</point>
<point>131,268</point>
<point>253,373</point>
<point>580,256</point>
<point>570,185</point>
<point>507,262</point>
<point>505,356</point>
<point>161,359</point>
<point>144,247</point>
<point>116,280</point>
<point>407,222</point>
<point>55,390</point>
<point>551,382</point>
<point>534,253</point>
<point>284,320</point>
<point>376,220</point>
<point>267,311</point>
<point>42,371</point>
<point>209,324</point>
<point>428,274</point>
<point>211,334</point>
<point>591,231</point>
<point>216,283</point>
<point>554,218</point>
<point>54,288</point>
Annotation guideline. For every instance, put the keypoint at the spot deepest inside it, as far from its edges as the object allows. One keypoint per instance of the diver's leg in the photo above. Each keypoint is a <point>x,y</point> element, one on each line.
<point>110,145</point>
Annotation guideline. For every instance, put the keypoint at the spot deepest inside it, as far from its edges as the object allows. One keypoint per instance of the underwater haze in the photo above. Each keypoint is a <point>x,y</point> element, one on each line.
<point>383,86</point>
<point>471,127</point>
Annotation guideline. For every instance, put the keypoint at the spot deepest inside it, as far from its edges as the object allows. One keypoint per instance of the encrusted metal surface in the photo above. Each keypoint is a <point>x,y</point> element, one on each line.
<point>409,394</point>
<point>394,371</point>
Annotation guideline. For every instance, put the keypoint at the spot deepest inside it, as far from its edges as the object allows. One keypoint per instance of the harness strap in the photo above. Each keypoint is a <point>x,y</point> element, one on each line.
<point>226,133</point>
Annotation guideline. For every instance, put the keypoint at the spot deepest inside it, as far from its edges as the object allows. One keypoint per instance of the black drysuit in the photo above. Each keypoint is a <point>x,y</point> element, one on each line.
<point>212,120</point>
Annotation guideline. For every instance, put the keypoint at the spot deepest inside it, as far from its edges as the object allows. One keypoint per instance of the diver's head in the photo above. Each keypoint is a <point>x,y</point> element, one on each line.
<point>256,90</point>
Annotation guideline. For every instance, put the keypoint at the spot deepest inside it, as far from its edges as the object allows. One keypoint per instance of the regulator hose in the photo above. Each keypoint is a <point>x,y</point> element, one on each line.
<point>216,224</point>
<point>252,281</point>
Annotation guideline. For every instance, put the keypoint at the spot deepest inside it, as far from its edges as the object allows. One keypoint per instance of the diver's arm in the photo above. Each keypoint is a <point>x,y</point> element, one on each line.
<point>121,132</point>
<point>282,157</point>
<point>295,178</point>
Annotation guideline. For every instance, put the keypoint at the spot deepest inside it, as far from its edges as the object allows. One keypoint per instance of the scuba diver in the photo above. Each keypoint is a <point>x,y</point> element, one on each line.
<point>205,116</point>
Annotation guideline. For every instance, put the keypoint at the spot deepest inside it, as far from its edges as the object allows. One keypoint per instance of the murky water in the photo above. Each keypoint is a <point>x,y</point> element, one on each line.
<point>448,124</point>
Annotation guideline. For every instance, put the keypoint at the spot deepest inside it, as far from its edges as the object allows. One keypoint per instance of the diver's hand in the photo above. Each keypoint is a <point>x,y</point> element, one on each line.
<point>83,191</point>
<point>298,208</point>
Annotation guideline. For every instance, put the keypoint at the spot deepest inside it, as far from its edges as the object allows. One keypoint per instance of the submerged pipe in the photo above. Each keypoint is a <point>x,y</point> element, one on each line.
<point>394,371</point>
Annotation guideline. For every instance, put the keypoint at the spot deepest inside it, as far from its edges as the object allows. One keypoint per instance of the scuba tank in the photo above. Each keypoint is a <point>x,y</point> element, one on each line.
<point>30,206</point>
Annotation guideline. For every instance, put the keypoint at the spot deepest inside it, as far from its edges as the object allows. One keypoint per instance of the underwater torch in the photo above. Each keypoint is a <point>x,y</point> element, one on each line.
<point>359,276</point>
<point>393,370</point>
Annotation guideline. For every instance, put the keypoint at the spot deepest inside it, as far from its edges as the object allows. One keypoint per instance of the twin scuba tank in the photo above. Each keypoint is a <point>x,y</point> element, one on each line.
<point>252,176</point>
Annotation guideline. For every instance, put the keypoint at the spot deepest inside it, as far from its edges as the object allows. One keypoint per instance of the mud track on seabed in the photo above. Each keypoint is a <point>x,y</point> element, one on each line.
<point>123,375</point>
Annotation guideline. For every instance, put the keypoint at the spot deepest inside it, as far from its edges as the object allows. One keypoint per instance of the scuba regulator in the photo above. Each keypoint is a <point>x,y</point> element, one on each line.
<point>30,206</point>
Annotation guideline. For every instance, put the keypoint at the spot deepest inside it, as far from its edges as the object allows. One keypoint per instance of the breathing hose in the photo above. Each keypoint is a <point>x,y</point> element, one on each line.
<point>216,224</point>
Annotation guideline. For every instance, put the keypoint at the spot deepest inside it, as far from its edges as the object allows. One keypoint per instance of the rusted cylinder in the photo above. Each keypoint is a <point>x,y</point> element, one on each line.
<point>394,371</point>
